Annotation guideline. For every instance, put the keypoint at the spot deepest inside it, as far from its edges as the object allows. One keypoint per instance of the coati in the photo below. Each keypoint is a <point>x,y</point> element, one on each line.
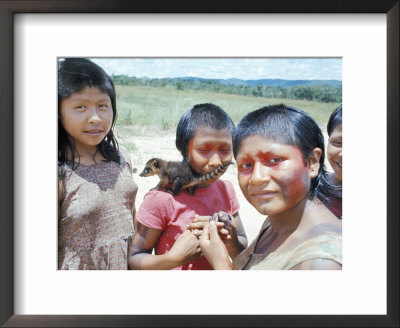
<point>179,175</point>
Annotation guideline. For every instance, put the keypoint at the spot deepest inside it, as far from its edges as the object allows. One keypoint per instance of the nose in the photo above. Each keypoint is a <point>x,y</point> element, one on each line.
<point>214,160</point>
<point>259,175</point>
<point>94,117</point>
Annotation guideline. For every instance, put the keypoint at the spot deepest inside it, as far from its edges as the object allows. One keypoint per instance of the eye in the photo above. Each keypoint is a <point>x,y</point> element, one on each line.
<point>275,160</point>
<point>244,167</point>
<point>226,151</point>
<point>80,107</point>
<point>104,106</point>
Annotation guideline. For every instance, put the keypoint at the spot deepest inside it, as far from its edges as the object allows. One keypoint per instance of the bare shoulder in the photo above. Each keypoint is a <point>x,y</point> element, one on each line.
<point>318,264</point>
<point>323,221</point>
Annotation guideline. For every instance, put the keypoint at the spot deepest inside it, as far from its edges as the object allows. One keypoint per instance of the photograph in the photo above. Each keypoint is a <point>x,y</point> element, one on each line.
<point>179,120</point>
<point>163,107</point>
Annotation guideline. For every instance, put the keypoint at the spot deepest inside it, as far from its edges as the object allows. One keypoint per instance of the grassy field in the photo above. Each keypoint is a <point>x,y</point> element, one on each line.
<point>149,109</point>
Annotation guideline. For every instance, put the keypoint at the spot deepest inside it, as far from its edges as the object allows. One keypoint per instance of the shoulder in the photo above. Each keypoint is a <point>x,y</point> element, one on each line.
<point>158,198</point>
<point>318,264</point>
<point>318,253</point>
<point>157,209</point>
<point>226,185</point>
<point>125,156</point>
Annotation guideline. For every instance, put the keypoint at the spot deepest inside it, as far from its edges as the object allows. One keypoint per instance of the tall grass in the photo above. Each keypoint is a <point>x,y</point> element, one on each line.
<point>161,107</point>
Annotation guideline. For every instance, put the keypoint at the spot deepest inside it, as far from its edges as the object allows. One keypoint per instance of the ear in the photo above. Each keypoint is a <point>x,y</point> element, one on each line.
<point>156,164</point>
<point>313,162</point>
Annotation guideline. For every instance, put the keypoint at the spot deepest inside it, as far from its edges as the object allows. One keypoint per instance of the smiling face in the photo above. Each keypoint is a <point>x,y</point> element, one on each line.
<point>87,117</point>
<point>272,176</point>
<point>334,153</point>
<point>208,149</point>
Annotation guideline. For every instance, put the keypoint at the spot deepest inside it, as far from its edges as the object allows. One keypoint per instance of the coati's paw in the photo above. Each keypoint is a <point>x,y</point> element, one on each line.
<point>222,217</point>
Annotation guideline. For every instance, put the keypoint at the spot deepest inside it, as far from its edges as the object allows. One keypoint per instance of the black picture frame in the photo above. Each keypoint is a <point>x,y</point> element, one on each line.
<point>7,197</point>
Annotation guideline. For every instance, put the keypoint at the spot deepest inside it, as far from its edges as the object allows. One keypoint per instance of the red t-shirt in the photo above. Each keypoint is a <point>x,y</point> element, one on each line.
<point>163,211</point>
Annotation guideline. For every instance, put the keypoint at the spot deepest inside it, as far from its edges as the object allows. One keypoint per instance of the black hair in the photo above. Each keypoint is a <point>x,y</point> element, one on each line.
<point>334,120</point>
<point>289,126</point>
<point>74,75</point>
<point>201,115</point>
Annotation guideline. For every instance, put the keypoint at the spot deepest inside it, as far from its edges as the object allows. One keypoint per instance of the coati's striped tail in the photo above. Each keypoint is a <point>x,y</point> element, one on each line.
<point>214,175</point>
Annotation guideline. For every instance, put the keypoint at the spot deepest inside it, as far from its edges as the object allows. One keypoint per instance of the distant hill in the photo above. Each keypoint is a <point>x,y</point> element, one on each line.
<point>266,82</point>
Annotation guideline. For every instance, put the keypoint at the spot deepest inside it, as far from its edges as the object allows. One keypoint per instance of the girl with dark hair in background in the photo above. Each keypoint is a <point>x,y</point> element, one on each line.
<point>204,138</point>
<point>96,191</point>
<point>334,155</point>
<point>279,151</point>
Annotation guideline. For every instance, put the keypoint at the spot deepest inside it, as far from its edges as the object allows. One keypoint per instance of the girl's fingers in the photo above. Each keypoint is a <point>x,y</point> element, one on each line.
<point>213,230</point>
<point>196,232</point>
<point>205,235</point>
<point>199,218</point>
<point>223,231</point>
<point>196,225</point>
<point>201,225</point>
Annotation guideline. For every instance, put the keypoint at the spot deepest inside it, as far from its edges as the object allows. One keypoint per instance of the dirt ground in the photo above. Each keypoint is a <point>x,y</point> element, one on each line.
<point>163,146</point>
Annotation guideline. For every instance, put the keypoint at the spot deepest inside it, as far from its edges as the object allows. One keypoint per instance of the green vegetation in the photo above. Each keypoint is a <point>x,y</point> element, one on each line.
<point>321,93</point>
<point>159,108</point>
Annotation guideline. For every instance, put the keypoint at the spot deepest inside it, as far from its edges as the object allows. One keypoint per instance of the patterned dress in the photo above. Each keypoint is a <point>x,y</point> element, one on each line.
<point>96,218</point>
<point>326,246</point>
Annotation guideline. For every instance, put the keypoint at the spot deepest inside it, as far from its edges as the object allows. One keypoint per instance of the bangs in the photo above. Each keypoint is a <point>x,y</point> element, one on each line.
<point>276,126</point>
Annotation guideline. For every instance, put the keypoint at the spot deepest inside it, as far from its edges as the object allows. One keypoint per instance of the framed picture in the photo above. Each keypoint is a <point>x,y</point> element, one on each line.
<point>30,297</point>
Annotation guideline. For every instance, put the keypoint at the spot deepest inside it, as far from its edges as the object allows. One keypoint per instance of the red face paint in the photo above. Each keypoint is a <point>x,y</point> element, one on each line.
<point>272,176</point>
<point>209,148</point>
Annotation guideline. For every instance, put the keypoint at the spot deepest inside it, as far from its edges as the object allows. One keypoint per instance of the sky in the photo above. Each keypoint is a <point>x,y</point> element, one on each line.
<point>225,68</point>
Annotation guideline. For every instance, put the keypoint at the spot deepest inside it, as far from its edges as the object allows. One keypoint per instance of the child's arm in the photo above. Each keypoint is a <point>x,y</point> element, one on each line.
<point>238,241</point>
<point>186,248</point>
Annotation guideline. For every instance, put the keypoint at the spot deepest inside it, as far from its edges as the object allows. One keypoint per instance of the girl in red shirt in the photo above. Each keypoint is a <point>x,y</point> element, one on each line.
<point>204,138</point>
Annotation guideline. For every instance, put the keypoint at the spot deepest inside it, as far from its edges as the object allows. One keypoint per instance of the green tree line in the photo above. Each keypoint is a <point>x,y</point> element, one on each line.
<point>320,93</point>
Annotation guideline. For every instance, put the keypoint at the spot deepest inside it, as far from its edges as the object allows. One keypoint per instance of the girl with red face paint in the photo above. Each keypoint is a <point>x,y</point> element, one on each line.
<point>96,191</point>
<point>171,225</point>
<point>279,151</point>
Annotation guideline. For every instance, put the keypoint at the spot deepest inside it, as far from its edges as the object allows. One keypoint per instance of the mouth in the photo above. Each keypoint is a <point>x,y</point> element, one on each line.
<point>263,194</point>
<point>94,132</point>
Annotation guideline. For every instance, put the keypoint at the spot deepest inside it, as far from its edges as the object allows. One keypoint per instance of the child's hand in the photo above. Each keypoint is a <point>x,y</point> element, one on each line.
<point>199,222</point>
<point>197,225</point>
<point>186,248</point>
<point>213,248</point>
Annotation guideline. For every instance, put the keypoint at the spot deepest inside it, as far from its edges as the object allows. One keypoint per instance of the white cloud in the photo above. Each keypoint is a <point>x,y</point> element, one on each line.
<point>242,68</point>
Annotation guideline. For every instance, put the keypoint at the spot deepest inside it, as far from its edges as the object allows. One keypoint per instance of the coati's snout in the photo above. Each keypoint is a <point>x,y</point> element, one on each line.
<point>151,168</point>
<point>147,172</point>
